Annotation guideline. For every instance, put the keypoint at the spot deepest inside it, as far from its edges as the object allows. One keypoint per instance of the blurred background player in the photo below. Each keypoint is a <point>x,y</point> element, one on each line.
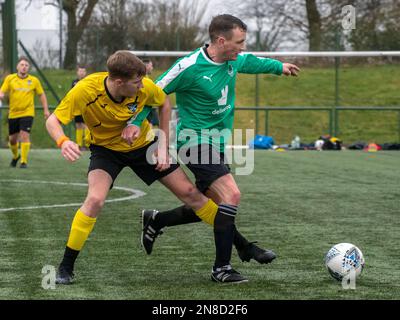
<point>22,87</point>
<point>153,115</point>
<point>80,127</point>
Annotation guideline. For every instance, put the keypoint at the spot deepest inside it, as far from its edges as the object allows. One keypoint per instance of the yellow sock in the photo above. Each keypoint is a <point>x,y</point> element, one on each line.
<point>208,212</point>
<point>82,226</point>
<point>14,150</point>
<point>87,138</point>
<point>79,137</point>
<point>25,147</point>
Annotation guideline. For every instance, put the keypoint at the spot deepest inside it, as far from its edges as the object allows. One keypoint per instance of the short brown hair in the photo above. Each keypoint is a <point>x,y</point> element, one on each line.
<point>124,64</point>
<point>23,58</point>
<point>223,25</point>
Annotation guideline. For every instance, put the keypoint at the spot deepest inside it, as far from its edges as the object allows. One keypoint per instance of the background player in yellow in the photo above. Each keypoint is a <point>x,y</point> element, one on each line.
<point>110,102</point>
<point>22,88</point>
<point>81,133</point>
<point>153,115</point>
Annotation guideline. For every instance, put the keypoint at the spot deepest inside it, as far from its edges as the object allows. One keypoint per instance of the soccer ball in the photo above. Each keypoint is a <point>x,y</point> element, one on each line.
<point>342,259</point>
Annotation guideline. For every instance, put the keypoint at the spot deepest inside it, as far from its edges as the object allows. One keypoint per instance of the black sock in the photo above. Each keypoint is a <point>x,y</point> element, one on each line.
<point>70,256</point>
<point>224,230</point>
<point>239,240</point>
<point>185,214</point>
<point>174,217</point>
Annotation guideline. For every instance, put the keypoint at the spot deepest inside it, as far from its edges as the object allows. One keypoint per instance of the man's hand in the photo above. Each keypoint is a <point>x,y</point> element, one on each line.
<point>163,159</point>
<point>70,151</point>
<point>290,69</point>
<point>46,114</point>
<point>130,133</point>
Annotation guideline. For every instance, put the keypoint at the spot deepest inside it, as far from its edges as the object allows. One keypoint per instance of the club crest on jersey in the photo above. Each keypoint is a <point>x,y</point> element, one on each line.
<point>29,82</point>
<point>133,105</point>
<point>230,70</point>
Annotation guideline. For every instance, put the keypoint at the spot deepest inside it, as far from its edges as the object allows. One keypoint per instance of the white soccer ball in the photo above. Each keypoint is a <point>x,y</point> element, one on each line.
<point>344,258</point>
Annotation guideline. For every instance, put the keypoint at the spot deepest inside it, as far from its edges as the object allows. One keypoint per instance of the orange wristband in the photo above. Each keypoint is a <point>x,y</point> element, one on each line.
<point>61,140</point>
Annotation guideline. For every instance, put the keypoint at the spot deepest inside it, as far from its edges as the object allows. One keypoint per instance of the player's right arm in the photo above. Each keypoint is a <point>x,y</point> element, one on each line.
<point>69,149</point>
<point>4,88</point>
<point>1,98</point>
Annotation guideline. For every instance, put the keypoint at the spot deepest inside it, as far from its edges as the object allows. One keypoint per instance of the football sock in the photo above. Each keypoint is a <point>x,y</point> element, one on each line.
<point>87,138</point>
<point>239,241</point>
<point>208,212</point>
<point>174,217</point>
<point>70,256</point>
<point>224,229</point>
<point>14,150</point>
<point>185,215</point>
<point>79,136</point>
<point>25,147</point>
<point>82,226</point>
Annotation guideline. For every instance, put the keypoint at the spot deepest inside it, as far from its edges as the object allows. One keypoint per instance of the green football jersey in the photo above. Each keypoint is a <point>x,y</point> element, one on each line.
<point>205,94</point>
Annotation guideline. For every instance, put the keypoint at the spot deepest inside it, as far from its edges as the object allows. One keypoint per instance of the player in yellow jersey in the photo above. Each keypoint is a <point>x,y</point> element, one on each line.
<point>153,115</point>
<point>107,102</point>
<point>80,127</point>
<point>22,88</point>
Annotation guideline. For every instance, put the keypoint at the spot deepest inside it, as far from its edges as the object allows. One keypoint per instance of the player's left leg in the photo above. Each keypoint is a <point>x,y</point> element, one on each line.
<point>225,190</point>
<point>221,217</point>
<point>25,148</point>
<point>24,135</point>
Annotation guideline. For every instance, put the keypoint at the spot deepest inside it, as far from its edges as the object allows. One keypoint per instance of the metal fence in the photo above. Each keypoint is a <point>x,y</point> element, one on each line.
<point>333,124</point>
<point>334,111</point>
<point>334,119</point>
<point>333,115</point>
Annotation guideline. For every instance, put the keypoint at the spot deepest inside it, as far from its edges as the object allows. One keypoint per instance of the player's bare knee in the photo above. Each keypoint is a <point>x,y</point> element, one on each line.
<point>192,195</point>
<point>233,197</point>
<point>94,203</point>
<point>24,136</point>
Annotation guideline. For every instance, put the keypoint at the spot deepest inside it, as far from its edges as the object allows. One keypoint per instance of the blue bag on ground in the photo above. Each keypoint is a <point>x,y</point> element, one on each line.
<point>261,142</point>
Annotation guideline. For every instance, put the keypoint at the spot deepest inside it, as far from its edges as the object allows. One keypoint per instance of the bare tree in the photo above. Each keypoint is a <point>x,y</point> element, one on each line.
<point>314,25</point>
<point>142,25</point>
<point>78,15</point>
<point>272,24</point>
<point>377,25</point>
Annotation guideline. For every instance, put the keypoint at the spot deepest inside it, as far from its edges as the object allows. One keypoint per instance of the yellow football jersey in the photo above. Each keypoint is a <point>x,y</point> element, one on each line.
<point>106,118</point>
<point>22,94</point>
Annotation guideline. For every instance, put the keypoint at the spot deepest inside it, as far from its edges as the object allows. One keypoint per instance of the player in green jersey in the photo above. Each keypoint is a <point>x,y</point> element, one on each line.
<point>204,83</point>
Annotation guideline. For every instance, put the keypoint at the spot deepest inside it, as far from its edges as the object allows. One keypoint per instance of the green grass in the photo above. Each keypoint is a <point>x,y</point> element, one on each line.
<point>360,85</point>
<point>297,203</point>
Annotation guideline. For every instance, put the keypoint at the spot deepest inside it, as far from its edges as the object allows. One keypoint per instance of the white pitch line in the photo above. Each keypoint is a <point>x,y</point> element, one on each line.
<point>134,194</point>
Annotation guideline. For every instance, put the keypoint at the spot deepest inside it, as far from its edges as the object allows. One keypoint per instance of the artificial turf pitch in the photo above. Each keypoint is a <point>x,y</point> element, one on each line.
<point>296,203</point>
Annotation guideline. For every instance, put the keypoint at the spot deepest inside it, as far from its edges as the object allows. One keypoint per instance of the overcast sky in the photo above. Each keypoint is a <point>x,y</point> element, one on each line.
<point>40,22</point>
<point>38,16</point>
